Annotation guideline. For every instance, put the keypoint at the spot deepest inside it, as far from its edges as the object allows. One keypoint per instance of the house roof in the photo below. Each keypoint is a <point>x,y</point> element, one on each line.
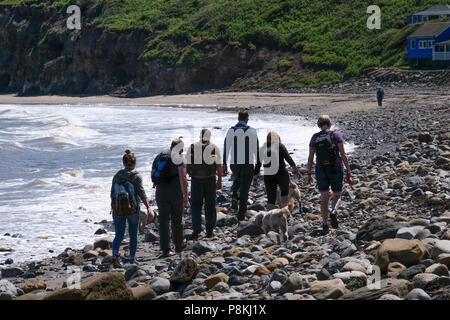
<point>443,42</point>
<point>435,10</point>
<point>429,30</point>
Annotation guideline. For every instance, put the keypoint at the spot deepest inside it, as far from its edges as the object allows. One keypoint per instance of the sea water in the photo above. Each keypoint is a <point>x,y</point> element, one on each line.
<point>57,163</point>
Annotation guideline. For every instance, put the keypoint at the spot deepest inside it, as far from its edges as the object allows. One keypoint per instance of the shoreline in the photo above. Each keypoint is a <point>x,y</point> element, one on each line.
<point>386,131</point>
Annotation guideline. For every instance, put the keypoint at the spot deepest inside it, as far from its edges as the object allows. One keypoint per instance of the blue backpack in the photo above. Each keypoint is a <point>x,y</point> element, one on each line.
<point>123,199</point>
<point>161,174</point>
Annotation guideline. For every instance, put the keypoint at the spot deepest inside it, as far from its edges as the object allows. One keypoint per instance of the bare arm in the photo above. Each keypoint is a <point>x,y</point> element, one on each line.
<point>310,159</point>
<point>344,156</point>
<point>183,183</point>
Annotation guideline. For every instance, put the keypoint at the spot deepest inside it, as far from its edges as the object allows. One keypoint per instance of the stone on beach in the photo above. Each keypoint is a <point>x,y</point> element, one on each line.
<point>407,252</point>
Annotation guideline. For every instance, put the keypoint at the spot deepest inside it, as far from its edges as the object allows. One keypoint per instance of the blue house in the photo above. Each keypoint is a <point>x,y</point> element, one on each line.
<point>437,11</point>
<point>422,43</point>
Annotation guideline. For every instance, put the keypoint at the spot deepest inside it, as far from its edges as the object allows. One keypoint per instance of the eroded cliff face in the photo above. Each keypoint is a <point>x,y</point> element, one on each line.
<point>39,55</point>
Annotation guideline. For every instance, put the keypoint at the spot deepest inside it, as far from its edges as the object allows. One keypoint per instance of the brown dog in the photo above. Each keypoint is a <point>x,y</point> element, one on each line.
<point>144,220</point>
<point>273,220</point>
<point>294,194</point>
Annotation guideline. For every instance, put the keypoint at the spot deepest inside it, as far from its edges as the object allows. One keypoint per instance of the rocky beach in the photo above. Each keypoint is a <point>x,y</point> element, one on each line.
<point>395,219</point>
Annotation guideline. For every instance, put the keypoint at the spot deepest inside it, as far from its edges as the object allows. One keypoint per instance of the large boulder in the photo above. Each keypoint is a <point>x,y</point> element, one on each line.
<point>407,252</point>
<point>378,228</point>
<point>185,271</point>
<point>104,243</point>
<point>105,286</point>
<point>399,288</point>
<point>328,289</point>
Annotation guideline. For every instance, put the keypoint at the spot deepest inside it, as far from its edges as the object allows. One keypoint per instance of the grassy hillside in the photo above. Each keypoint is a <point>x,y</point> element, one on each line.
<point>331,35</point>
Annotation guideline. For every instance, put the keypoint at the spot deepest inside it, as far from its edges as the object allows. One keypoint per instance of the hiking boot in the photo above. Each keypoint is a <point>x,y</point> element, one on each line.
<point>133,261</point>
<point>166,254</point>
<point>195,234</point>
<point>325,229</point>
<point>234,204</point>
<point>115,261</point>
<point>334,222</point>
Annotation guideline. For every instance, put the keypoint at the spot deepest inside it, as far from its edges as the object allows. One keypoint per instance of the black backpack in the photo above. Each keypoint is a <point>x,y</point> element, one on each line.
<point>161,175</point>
<point>326,149</point>
<point>203,169</point>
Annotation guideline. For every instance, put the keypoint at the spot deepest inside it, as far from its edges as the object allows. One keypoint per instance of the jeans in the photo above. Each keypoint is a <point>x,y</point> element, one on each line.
<point>119,226</point>
<point>244,173</point>
<point>203,189</point>
<point>271,182</point>
<point>170,205</point>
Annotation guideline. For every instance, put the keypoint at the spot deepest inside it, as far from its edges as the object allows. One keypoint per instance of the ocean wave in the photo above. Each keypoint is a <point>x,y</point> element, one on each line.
<point>13,144</point>
<point>55,142</point>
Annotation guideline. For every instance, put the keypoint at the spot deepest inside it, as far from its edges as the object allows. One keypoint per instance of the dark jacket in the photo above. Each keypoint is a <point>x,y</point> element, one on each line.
<point>283,155</point>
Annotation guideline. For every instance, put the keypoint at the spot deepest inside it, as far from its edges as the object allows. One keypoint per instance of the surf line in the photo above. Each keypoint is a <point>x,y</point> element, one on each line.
<point>201,310</point>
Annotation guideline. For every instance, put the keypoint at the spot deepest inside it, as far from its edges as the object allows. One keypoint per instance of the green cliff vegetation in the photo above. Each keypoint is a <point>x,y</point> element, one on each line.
<point>331,35</point>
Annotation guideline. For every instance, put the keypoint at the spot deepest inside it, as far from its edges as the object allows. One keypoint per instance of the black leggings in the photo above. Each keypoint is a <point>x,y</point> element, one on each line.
<point>271,182</point>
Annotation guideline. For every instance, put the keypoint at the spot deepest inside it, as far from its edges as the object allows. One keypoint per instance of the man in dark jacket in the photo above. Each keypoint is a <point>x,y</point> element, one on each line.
<point>380,96</point>
<point>242,146</point>
<point>203,163</point>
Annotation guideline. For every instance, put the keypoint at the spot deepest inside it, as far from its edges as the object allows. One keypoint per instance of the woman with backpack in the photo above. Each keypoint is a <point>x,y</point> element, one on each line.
<point>273,156</point>
<point>126,193</point>
<point>169,177</point>
<point>330,154</point>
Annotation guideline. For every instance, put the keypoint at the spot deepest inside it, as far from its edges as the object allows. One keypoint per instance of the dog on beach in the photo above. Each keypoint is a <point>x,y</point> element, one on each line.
<point>273,220</point>
<point>144,220</point>
<point>294,194</point>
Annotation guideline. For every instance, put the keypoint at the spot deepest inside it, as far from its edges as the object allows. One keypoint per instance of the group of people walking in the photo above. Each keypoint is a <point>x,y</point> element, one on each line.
<point>203,164</point>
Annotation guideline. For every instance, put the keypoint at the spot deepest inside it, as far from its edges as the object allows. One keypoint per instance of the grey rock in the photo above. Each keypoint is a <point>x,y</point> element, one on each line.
<point>323,274</point>
<point>150,236</point>
<point>173,295</point>
<point>410,272</point>
<point>279,275</point>
<point>221,287</point>
<point>160,285</point>
<point>274,286</point>
<point>235,280</point>
<point>201,247</point>
<point>12,272</point>
<point>8,287</point>
<point>295,281</point>
<point>378,228</point>
<point>417,294</point>
<point>248,228</point>
<point>295,230</point>
<point>389,296</point>
<point>421,280</point>
<point>6,296</point>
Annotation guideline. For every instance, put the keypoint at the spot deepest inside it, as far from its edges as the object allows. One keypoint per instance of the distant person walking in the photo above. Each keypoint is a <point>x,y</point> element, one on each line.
<point>126,193</point>
<point>274,154</point>
<point>380,96</point>
<point>203,163</point>
<point>330,154</point>
<point>169,176</point>
<point>241,146</point>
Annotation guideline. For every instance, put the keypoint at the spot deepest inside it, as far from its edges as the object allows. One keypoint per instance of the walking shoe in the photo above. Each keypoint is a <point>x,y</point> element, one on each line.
<point>210,234</point>
<point>115,261</point>
<point>166,254</point>
<point>179,250</point>
<point>234,204</point>
<point>195,234</point>
<point>334,222</point>
<point>132,261</point>
<point>325,228</point>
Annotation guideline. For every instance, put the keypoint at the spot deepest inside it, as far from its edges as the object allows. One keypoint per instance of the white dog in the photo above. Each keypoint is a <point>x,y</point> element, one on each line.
<point>294,194</point>
<point>273,220</point>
